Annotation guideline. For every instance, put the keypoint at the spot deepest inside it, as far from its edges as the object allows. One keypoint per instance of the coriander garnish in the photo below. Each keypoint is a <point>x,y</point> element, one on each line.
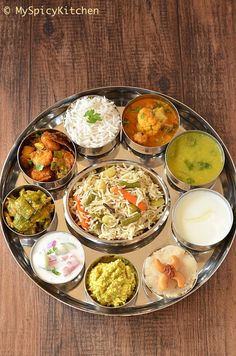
<point>125,122</point>
<point>92,117</point>
<point>57,273</point>
<point>136,109</point>
<point>54,249</point>
<point>39,167</point>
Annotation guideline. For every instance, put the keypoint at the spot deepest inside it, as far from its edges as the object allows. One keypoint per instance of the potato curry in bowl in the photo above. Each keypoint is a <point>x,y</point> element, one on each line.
<point>149,121</point>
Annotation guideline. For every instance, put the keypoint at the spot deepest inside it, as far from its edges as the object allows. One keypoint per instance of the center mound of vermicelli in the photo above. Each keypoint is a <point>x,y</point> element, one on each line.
<point>117,203</point>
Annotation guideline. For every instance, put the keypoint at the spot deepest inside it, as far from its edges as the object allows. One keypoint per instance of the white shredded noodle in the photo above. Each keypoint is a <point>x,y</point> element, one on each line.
<point>95,134</point>
<point>96,189</point>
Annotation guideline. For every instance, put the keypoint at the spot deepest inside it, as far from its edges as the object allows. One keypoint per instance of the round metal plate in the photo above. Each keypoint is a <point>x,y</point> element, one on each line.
<point>208,262</point>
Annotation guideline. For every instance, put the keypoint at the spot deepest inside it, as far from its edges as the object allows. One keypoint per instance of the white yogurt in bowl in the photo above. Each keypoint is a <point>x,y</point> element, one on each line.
<point>201,218</point>
<point>57,257</point>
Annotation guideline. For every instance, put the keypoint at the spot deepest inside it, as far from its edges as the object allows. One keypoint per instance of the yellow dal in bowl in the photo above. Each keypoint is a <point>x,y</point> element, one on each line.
<point>195,158</point>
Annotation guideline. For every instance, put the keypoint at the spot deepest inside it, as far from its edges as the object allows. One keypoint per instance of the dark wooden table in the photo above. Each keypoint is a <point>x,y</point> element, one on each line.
<point>182,48</point>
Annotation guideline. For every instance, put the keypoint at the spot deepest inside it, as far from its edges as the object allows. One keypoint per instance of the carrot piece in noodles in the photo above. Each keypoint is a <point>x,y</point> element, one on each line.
<point>83,216</point>
<point>130,197</point>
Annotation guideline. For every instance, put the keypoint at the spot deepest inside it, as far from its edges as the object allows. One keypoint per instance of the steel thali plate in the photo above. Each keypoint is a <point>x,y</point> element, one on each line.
<point>208,262</point>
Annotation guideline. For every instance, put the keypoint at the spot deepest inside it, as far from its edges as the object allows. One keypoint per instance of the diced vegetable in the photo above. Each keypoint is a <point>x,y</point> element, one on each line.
<point>63,248</point>
<point>24,207</point>
<point>126,184</point>
<point>133,208</point>
<point>23,225</point>
<point>108,220</point>
<point>130,197</point>
<point>11,205</point>
<point>130,219</point>
<point>110,172</point>
<point>157,203</point>
<point>100,185</point>
<point>39,145</point>
<point>89,199</point>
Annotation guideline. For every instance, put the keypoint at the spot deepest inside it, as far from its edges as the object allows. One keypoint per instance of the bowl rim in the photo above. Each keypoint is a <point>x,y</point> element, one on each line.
<point>56,233</point>
<point>42,183</point>
<point>35,188</point>
<point>113,257</point>
<point>190,245</point>
<point>196,186</point>
<point>155,228</point>
<point>137,98</point>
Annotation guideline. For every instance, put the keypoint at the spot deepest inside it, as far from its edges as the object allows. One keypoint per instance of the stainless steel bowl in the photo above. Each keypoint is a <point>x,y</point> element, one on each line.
<point>71,283</point>
<point>183,185</point>
<point>98,151</point>
<point>15,192</point>
<point>56,184</point>
<point>95,151</point>
<point>158,296</point>
<point>180,239</point>
<point>116,245</point>
<point>134,145</point>
<point>107,259</point>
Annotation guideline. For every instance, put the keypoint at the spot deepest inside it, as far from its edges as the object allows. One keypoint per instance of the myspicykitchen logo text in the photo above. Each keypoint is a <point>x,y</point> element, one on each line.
<point>50,11</point>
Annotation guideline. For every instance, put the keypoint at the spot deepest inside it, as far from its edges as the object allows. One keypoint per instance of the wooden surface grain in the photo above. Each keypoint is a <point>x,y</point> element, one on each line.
<point>183,48</point>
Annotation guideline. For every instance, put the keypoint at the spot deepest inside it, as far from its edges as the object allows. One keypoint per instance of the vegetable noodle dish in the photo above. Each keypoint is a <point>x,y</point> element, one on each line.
<point>117,203</point>
<point>30,212</point>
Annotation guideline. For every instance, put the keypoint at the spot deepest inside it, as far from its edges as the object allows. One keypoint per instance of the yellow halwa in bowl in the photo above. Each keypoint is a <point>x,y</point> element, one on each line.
<point>111,281</point>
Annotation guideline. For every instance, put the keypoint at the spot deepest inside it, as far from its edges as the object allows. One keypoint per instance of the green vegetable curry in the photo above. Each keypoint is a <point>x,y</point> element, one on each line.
<point>30,212</point>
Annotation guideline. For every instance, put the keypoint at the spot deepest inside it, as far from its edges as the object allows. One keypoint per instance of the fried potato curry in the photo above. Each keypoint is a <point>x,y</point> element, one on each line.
<point>150,121</point>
